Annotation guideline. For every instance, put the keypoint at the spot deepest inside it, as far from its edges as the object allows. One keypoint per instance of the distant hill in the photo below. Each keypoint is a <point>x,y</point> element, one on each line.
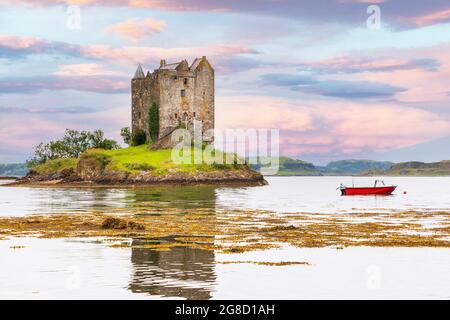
<point>293,167</point>
<point>414,168</point>
<point>13,169</point>
<point>356,166</point>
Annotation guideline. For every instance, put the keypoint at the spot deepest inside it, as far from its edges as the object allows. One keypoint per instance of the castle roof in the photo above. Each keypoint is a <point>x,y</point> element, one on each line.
<point>139,73</point>
<point>170,66</point>
<point>196,63</point>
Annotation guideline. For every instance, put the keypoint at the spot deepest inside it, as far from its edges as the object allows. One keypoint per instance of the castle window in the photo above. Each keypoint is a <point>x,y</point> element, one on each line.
<point>185,81</point>
<point>139,115</point>
<point>176,115</point>
<point>183,93</point>
<point>194,114</point>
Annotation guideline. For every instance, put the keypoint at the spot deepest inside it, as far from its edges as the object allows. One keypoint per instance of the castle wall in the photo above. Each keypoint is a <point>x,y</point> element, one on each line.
<point>174,108</point>
<point>144,93</point>
<point>204,96</point>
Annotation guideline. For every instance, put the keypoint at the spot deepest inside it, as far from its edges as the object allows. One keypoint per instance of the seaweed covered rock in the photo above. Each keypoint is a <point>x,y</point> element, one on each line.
<point>117,223</point>
<point>92,165</point>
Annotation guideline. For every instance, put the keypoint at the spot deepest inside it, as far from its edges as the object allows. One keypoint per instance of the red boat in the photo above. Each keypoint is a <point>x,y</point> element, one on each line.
<point>382,190</point>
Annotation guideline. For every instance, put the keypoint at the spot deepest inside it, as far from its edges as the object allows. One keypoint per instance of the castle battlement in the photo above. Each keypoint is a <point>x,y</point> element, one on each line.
<point>183,93</point>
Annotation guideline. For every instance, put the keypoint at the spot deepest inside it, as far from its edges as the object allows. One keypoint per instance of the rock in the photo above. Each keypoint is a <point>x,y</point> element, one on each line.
<point>114,223</point>
<point>135,226</point>
<point>91,166</point>
<point>120,224</point>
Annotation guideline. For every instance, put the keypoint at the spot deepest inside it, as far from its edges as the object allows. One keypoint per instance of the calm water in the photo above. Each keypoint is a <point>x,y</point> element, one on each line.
<point>86,268</point>
<point>283,194</point>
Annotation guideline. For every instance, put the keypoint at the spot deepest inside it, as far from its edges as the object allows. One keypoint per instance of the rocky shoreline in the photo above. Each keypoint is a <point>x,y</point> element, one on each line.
<point>89,176</point>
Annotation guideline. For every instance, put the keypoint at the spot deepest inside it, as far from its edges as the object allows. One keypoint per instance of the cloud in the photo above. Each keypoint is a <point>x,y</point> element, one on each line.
<point>227,65</point>
<point>354,64</point>
<point>227,56</point>
<point>350,89</point>
<point>30,85</point>
<point>332,127</point>
<point>46,110</point>
<point>332,88</point>
<point>137,29</point>
<point>351,12</point>
<point>15,47</point>
<point>151,55</point>
<point>440,16</point>
<point>86,69</point>
<point>288,80</point>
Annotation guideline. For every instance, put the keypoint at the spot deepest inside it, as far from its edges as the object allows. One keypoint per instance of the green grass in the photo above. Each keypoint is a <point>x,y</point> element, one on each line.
<point>134,160</point>
<point>56,165</point>
<point>140,158</point>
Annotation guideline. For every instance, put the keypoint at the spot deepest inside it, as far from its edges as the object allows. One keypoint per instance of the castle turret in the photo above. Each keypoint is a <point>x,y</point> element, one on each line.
<point>139,73</point>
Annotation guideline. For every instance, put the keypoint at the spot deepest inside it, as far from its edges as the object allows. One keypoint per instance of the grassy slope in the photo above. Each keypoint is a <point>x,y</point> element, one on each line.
<point>56,165</point>
<point>132,159</point>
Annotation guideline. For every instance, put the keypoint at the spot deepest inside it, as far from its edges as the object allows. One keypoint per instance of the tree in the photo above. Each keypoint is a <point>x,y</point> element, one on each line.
<point>153,122</point>
<point>72,145</point>
<point>138,137</point>
<point>126,135</point>
<point>98,141</point>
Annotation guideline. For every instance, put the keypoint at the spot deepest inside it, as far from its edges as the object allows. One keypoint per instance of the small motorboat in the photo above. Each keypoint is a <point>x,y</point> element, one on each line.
<point>379,188</point>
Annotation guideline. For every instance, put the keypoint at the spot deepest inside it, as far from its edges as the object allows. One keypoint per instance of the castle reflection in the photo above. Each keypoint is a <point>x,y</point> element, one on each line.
<point>183,272</point>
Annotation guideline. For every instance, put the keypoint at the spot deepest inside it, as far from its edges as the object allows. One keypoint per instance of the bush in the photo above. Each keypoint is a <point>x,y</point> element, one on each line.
<point>139,166</point>
<point>101,159</point>
<point>126,135</point>
<point>219,166</point>
<point>138,137</point>
<point>153,122</point>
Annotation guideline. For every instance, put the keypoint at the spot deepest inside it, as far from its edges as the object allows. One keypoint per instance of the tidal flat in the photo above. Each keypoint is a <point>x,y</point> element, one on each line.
<point>240,230</point>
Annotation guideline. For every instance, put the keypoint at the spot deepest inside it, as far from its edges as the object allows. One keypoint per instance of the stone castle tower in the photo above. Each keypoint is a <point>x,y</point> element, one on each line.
<point>183,94</point>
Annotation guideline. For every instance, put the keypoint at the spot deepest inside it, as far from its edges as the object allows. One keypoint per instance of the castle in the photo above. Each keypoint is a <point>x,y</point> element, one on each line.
<point>183,94</point>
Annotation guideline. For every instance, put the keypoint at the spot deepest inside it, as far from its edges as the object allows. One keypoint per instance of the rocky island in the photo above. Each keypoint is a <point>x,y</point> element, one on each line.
<point>175,96</point>
<point>135,166</point>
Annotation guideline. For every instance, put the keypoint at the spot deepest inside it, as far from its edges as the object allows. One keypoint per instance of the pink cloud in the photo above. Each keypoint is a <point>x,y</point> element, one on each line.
<point>137,29</point>
<point>14,42</point>
<point>221,55</point>
<point>428,19</point>
<point>325,127</point>
<point>150,55</point>
<point>86,69</point>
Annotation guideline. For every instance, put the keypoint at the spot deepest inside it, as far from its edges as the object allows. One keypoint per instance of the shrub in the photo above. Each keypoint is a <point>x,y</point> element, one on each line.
<point>138,137</point>
<point>95,157</point>
<point>153,122</point>
<point>219,166</point>
<point>139,166</point>
<point>126,135</point>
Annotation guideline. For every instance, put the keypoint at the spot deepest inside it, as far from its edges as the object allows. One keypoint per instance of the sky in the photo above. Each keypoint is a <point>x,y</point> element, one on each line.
<point>340,79</point>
